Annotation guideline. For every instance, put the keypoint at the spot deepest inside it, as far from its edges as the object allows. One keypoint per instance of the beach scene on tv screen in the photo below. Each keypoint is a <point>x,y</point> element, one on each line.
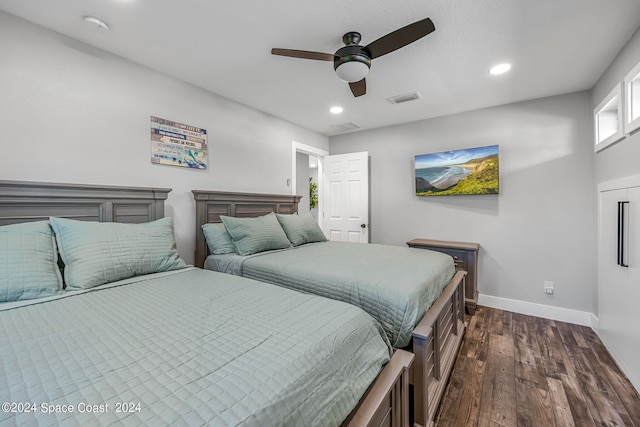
<point>472,171</point>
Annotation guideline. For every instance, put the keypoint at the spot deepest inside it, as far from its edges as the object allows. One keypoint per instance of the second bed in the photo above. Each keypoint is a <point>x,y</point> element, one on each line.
<point>416,295</point>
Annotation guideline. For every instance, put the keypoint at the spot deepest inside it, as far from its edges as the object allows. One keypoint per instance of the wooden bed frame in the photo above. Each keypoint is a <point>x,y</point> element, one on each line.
<point>387,400</point>
<point>436,338</point>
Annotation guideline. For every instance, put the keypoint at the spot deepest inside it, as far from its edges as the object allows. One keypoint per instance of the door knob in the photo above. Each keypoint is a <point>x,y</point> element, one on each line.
<point>363,225</point>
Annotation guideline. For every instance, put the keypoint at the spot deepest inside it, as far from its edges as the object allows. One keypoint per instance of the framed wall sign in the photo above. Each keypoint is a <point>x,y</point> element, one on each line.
<point>177,144</point>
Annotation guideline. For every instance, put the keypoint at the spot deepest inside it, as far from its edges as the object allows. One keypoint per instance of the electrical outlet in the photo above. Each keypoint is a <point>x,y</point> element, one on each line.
<point>548,287</point>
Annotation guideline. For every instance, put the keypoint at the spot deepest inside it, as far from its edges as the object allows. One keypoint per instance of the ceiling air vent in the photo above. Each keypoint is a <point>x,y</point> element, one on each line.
<point>404,98</point>
<point>346,127</point>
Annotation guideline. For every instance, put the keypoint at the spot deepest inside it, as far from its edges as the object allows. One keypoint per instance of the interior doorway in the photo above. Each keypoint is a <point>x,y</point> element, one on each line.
<point>307,162</point>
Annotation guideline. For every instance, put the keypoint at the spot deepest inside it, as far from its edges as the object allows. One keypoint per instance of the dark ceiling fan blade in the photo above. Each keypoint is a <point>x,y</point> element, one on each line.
<point>400,38</point>
<point>304,54</point>
<point>358,88</point>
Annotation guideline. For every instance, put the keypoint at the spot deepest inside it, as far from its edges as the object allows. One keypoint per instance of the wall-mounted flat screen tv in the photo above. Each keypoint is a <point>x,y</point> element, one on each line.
<point>472,171</point>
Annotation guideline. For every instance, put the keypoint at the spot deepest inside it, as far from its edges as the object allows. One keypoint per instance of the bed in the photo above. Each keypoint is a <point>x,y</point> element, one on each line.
<point>137,337</point>
<point>386,281</point>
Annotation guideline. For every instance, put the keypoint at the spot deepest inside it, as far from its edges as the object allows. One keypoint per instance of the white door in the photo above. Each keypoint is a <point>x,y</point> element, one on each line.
<point>619,276</point>
<point>346,197</point>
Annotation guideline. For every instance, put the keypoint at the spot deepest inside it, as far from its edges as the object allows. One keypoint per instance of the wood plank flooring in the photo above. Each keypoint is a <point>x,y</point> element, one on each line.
<point>518,370</point>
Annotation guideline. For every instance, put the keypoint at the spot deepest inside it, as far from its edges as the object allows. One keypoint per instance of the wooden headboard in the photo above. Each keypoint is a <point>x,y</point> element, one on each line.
<point>22,201</point>
<point>211,204</point>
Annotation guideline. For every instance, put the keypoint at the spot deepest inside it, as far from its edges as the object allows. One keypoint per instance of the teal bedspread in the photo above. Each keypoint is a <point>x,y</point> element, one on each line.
<point>192,347</point>
<point>396,285</point>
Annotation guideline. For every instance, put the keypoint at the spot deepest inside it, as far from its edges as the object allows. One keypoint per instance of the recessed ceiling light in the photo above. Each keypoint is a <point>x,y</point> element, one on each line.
<point>499,69</point>
<point>336,110</point>
<point>96,23</point>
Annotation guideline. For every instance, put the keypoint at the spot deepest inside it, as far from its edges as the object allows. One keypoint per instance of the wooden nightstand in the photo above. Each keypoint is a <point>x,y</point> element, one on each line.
<point>465,256</point>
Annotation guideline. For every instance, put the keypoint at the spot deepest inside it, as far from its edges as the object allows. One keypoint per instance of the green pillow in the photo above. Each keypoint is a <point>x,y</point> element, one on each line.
<point>218,239</point>
<point>95,253</point>
<point>253,235</point>
<point>28,262</point>
<point>301,229</point>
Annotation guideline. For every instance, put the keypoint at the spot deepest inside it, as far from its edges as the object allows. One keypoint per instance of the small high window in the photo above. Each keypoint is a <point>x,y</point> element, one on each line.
<point>608,119</point>
<point>632,94</point>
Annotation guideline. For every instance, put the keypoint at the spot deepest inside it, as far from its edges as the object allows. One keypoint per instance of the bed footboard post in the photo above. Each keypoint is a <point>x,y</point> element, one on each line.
<point>420,379</point>
<point>435,343</point>
<point>387,402</point>
<point>402,394</point>
<point>462,302</point>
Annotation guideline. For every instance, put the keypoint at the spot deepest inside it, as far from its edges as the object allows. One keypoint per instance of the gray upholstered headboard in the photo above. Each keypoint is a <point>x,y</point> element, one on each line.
<point>22,201</point>
<point>211,204</point>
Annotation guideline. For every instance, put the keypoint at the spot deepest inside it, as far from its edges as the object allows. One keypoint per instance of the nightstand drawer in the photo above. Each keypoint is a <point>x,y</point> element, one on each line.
<point>459,258</point>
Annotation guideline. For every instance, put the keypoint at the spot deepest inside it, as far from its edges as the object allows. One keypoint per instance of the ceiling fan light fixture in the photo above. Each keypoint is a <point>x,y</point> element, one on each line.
<point>352,72</point>
<point>352,68</point>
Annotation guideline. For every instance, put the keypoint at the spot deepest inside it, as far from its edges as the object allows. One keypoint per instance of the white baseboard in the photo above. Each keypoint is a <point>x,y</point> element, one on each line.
<point>595,322</point>
<point>577,317</point>
<point>635,381</point>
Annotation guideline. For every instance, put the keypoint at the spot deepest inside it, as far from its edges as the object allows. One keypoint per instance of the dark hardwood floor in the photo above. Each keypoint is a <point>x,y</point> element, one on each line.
<point>517,370</point>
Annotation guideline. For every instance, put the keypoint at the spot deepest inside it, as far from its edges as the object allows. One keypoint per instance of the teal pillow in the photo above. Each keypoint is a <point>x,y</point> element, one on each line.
<point>301,229</point>
<point>95,253</point>
<point>28,262</point>
<point>253,235</point>
<point>218,239</point>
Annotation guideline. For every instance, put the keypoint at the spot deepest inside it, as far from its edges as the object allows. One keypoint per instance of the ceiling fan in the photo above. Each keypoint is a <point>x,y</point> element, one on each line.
<point>352,62</point>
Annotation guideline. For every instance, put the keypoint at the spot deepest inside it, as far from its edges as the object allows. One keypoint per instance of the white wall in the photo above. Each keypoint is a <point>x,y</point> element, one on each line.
<point>72,113</point>
<point>540,227</point>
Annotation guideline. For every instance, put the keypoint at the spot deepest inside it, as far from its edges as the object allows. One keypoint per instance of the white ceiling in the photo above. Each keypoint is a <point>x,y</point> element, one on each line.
<point>555,46</point>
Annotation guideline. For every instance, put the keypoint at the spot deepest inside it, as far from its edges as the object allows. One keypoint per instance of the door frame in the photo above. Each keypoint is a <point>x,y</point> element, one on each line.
<point>298,147</point>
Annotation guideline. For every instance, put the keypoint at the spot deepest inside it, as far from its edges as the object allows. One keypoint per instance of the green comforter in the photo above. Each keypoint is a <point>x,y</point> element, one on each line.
<point>191,347</point>
<point>396,285</point>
